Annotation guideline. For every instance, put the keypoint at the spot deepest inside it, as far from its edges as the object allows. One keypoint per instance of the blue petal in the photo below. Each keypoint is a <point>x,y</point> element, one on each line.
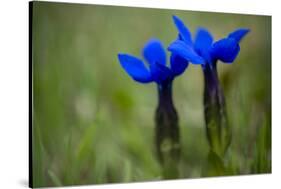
<point>185,51</point>
<point>183,30</point>
<point>178,64</point>
<point>238,34</point>
<point>180,37</point>
<point>154,51</point>
<point>135,68</point>
<point>160,72</point>
<point>203,40</point>
<point>203,43</point>
<point>225,50</point>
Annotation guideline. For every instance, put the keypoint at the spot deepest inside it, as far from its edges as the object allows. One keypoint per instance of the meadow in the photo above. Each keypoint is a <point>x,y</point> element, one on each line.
<point>92,124</point>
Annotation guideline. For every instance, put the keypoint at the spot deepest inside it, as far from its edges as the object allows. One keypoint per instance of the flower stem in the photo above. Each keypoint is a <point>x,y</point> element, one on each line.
<point>167,132</point>
<point>218,130</point>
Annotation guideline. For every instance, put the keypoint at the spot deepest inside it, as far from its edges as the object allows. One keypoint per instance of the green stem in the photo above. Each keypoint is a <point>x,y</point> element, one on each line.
<point>167,132</point>
<point>218,130</point>
<point>214,165</point>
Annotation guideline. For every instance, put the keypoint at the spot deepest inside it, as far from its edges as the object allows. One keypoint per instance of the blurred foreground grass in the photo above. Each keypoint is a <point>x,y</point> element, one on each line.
<point>92,124</point>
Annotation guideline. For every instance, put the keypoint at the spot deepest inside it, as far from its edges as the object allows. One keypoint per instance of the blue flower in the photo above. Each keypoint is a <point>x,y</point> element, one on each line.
<point>207,54</point>
<point>203,48</point>
<point>157,71</point>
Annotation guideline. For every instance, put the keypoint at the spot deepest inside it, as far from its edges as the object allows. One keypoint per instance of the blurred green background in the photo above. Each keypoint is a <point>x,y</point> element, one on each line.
<point>93,124</point>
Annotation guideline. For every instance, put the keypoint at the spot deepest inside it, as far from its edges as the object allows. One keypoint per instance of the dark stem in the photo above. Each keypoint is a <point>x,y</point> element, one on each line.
<point>167,131</point>
<point>218,130</point>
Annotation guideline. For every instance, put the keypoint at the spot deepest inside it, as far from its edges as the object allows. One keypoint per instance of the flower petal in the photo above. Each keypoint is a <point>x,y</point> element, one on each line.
<point>160,72</point>
<point>225,50</point>
<point>180,37</point>
<point>183,30</point>
<point>154,51</point>
<point>185,51</point>
<point>178,64</point>
<point>238,34</point>
<point>203,40</point>
<point>135,68</point>
<point>203,43</point>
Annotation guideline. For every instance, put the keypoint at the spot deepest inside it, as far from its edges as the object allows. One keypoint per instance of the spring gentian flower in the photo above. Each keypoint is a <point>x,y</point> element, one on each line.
<point>225,50</point>
<point>159,72</point>
<point>167,129</point>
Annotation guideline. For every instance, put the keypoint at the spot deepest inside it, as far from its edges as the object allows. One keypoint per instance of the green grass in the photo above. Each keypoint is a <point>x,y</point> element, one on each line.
<point>92,124</point>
